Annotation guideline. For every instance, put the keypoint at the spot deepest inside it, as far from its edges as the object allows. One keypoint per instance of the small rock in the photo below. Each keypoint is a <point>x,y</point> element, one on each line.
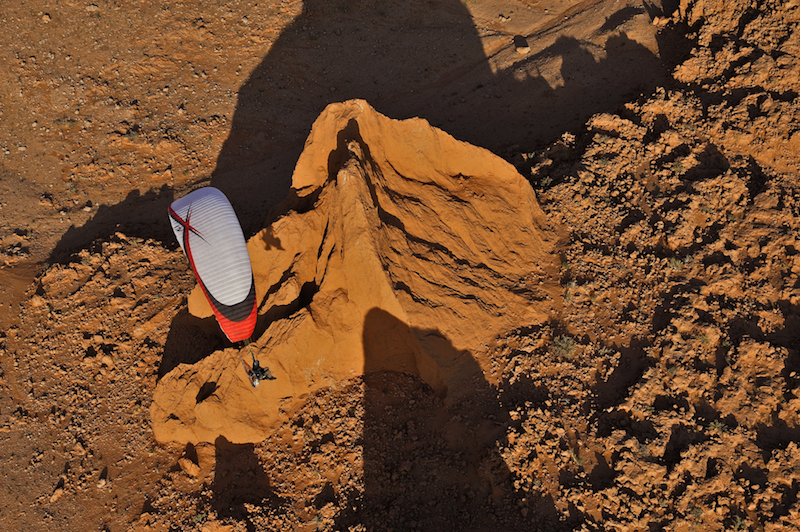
<point>46,18</point>
<point>189,467</point>
<point>57,494</point>
<point>521,45</point>
<point>92,8</point>
<point>215,526</point>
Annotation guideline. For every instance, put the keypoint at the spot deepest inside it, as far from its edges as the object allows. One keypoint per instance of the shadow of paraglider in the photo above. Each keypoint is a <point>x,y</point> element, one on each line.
<point>135,216</point>
<point>189,340</point>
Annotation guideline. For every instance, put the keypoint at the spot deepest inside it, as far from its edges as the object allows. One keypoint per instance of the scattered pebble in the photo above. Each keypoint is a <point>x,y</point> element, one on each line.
<point>57,494</point>
<point>521,45</point>
<point>189,467</point>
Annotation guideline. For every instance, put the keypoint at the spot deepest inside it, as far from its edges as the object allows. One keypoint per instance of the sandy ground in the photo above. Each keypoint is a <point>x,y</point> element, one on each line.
<point>662,141</point>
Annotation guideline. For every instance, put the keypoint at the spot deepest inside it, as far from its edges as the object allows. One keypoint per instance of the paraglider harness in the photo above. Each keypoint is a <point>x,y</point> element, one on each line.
<point>256,374</point>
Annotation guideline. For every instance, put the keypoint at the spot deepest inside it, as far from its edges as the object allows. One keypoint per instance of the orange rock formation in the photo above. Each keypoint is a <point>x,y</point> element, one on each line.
<point>416,252</point>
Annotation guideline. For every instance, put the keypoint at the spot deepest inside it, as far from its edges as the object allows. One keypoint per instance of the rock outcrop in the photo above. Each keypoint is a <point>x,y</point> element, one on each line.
<point>412,253</point>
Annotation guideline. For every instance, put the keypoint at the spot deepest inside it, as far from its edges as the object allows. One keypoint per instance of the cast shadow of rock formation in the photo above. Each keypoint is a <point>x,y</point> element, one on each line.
<point>417,59</point>
<point>407,60</point>
<point>433,463</point>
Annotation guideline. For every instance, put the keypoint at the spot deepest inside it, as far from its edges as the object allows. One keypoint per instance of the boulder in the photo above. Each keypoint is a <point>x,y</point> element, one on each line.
<point>407,251</point>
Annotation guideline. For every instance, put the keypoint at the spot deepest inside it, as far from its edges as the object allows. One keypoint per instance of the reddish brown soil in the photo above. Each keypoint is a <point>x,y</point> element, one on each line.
<point>662,396</point>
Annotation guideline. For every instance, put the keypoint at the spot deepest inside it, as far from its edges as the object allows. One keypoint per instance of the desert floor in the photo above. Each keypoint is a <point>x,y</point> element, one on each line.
<point>663,144</point>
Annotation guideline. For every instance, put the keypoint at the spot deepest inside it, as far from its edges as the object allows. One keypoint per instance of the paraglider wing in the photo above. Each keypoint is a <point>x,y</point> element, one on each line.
<point>209,233</point>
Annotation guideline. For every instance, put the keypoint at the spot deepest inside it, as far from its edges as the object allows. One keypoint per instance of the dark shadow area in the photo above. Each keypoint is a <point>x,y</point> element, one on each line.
<point>666,403</point>
<point>239,479</point>
<point>704,412</point>
<point>674,298</point>
<point>621,17</point>
<point>788,497</point>
<point>602,475</point>
<point>406,59</point>
<point>432,463</point>
<point>643,430</point>
<point>633,362</point>
<point>754,475</point>
<point>206,390</point>
<point>673,46</point>
<point>147,507</point>
<point>190,340</point>
<point>137,216</point>
<point>414,59</point>
<point>524,390</point>
<point>711,163</point>
<point>777,435</point>
<point>681,438</point>
<point>190,453</point>
<point>789,337</point>
<point>278,312</point>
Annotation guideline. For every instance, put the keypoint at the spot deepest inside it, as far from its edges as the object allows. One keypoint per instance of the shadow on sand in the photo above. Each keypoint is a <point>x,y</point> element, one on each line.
<point>413,59</point>
<point>432,463</point>
<point>431,459</point>
<point>406,59</point>
<point>239,479</point>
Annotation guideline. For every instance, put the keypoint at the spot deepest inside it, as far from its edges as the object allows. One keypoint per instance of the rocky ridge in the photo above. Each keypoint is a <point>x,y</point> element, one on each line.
<point>408,239</point>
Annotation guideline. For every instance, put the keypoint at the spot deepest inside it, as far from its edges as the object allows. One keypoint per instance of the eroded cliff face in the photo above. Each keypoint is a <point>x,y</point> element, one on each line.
<point>413,252</point>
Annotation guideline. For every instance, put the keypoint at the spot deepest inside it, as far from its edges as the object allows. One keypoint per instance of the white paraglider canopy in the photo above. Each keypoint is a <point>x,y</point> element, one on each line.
<point>209,233</point>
